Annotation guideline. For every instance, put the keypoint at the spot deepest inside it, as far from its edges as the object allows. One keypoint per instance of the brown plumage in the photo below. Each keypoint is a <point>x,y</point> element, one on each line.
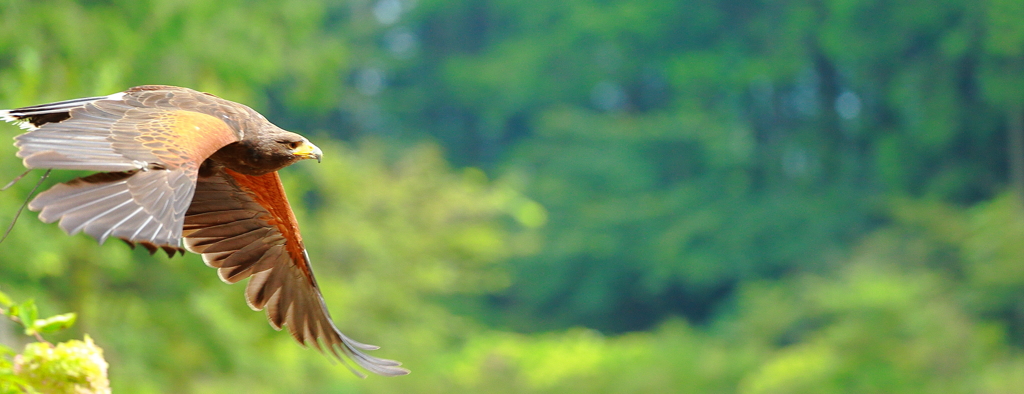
<point>180,165</point>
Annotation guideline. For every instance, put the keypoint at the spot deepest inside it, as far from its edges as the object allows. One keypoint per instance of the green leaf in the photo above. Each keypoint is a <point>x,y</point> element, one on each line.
<point>27,313</point>
<point>55,323</point>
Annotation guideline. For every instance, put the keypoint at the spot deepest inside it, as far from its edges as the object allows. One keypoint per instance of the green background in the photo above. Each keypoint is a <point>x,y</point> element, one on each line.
<point>603,196</point>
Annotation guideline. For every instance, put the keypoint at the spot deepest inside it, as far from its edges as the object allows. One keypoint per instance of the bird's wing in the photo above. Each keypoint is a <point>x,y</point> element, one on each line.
<point>145,207</point>
<point>143,128</point>
<point>151,147</point>
<point>243,226</point>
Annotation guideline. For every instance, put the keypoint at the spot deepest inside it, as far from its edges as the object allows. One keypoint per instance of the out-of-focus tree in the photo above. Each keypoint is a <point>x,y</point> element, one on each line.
<point>685,147</point>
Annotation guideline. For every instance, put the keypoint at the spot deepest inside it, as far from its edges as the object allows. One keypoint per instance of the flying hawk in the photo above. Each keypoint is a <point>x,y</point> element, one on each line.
<point>184,170</point>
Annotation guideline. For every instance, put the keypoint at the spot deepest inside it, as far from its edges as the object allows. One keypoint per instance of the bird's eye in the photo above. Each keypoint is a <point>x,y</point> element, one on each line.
<point>291,144</point>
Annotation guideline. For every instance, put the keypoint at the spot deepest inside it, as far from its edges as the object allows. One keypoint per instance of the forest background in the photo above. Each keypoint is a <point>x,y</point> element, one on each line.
<point>601,196</point>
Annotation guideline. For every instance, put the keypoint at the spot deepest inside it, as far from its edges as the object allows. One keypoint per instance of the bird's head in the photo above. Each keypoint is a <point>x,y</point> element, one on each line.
<point>267,152</point>
<point>299,147</point>
<point>283,148</point>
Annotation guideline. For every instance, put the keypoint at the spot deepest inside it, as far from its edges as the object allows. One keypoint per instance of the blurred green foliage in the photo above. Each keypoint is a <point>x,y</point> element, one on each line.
<point>68,367</point>
<point>645,196</point>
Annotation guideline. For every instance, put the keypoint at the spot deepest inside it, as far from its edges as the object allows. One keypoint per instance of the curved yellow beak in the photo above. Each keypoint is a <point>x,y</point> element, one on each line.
<point>308,151</point>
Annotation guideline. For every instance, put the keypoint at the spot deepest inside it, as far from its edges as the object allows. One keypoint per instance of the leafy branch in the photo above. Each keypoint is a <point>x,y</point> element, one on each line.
<point>27,315</point>
<point>72,366</point>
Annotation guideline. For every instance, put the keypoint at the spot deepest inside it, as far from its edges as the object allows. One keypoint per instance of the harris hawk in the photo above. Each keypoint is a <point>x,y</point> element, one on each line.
<point>183,170</point>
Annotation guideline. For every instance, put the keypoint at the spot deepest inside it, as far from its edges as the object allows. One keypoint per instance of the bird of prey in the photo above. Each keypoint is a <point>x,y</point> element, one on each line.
<point>184,170</point>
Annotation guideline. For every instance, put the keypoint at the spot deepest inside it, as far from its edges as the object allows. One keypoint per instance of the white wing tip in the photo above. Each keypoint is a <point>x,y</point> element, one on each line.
<point>27,126</point>
<point>115,96</point>
<point>62,106</point>
<point>6,116</point>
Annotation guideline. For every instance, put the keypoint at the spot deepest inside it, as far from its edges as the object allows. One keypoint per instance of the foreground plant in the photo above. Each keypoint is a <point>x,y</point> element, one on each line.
<point>69,367</point>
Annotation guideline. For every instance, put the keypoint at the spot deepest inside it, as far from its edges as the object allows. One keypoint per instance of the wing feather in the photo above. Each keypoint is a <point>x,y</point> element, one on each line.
<point>122,205</point>
<point>150,148</point>
<point>243,226</point>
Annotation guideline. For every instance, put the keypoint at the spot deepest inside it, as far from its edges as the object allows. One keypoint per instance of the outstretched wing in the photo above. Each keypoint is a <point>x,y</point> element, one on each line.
<point>243,226</point>
<point>151,140</point>
<point>144,207</point>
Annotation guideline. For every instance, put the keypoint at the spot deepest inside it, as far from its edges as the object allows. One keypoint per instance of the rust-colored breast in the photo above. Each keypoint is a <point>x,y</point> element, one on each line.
<point>268,191</point>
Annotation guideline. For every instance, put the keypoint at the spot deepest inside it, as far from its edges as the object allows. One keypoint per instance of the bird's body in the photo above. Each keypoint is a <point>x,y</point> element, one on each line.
<point>185,169</point>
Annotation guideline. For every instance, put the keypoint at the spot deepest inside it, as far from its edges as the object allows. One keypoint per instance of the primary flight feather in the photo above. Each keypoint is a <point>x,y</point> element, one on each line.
<point>185,170</point>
